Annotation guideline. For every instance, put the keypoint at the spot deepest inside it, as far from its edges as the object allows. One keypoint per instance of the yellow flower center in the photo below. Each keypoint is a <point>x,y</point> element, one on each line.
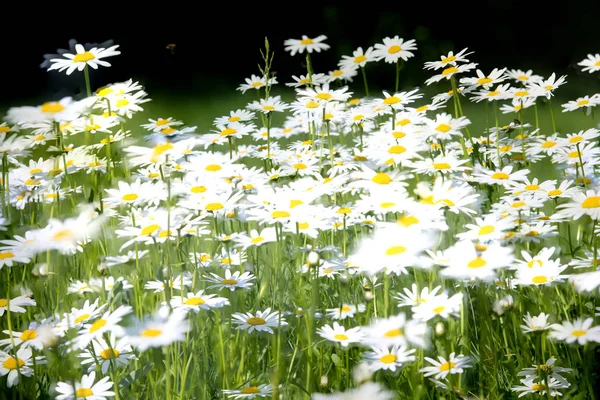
<point>82,318</point>
<point>346,309</point>
<point>84,392</point>
<point>149,230</point>
<point>256,321</point>
<point>393,333</point>
<point>396,149</point>
<point>340,337</point>
<point>213,167</point>
<point>555,192</point>
<point>391,100</point>
<point>194,301</point>
<point>250,390</point>
<point>477,263</point>
<point>229,282</point>
<point>6,254</point>
<point>440,166</point>
<point>523,77</point>
<point>337,72</point>
<point>480,247</point>
<point>395,250</point>
<point>500,175</point>
<point>578,333</point>
<point>575,139</point>
<point>447,366</point>
<point>539,279</point>
<point>29,334</point>
<point>387,204</point>
<point>493,93</point>
<point>84,57</point>
<point>446,60</point>
<point>532,187</point>
<point>443,128</point>
<point>306,41</point>
<point>583,102</point>
<point>161,148</point>
<point>359,59</point>
<point>65,234</point>
<point>214,206</point>
<point>39,138</point>
<point>486,230</point>
<point>258,239</point>
<point>97,325</point>
<point>394,49</point>
<point>152,332</point>
<point>256,84</point>
<point>381,178</point>
<point>518,204</point>
<point>52,107</point>
<point>268,108</point>
<point>484,81</point>
<point>300,166</point>
<point>108,354</point>
<point>422,108</point>
<point>408,220</point>
<point>280,214</point>
<point>439,309</point>
<point>504,149</point>
<point>228,131</point>
<point>198,189</point>
<point>591,202</point>
<point>130,197</point>
<point>449,71</point>
<point>324,96</point>
<point>124,102</point>
<point>521,93</point>
<point>11,363</point>
<point>4,129</point>
<point>3,302</point>
<point>388,359</point>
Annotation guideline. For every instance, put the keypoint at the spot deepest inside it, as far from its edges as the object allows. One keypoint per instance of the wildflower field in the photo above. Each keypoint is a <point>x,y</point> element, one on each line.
<point>321,241</point>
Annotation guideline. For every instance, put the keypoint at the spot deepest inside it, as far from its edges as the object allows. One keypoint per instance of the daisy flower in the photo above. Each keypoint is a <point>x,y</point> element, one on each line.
<point>262,321</point>
<point>343,74</point>
<point>107,323</point>
<point>345,311</point>
<point>339,334</point>
<point>524,77</point>
<point>438,305</point>
<point>465,262</point>
<point>16,304</point>
<point>535,323</point>
<point>309,44</point>
<point>450,71</point>
<point>532,386</point>
<point>449,59</point>
<point>580,331</point>
<point>13,366</point>
<point>503,177</point>
<point>487,229</point>
<point>270,104</point>
<point>159,124</point>
<point>485,81</point>
<point>231,280</point>
<point>195,302</point>
<point>582,204</point>
<point>159,331</point>
<point>541,275</point>
<point>86,389</point>
<point>414,298</point>
<point>113,351</point>
<point>584,102</point>
<point>250,392</point>
<point>395,330</point>
<point>586,282</point>
<point>441,368</point>
<point>267,235</point>
<point>394,49</point>
<point>591,64</point>
<point>256,82</point>
<point>83,58</point>
<point>8,257</point>
<point>548,86</point>
<point>546,370</point>
<point>359,58</point>
<point>386,358</point>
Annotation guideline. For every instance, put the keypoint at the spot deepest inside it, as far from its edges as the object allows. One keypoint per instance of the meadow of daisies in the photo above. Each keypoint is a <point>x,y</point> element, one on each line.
<point>340,244</point>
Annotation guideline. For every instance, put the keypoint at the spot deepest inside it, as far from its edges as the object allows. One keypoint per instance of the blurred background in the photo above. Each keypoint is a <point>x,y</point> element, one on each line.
<point>180,52</point>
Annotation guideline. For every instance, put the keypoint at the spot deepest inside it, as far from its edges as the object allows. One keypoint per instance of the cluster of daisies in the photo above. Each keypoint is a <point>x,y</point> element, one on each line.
<point>359,234</point>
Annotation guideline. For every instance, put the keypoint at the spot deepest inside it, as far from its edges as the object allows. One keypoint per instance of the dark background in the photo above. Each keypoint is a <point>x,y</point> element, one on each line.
<point>217,44</point>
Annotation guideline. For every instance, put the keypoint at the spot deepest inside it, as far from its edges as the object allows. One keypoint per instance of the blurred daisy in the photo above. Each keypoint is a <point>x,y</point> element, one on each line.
<point>535,323</point>
<point>591,64</point>
<point>159,331</point>
<point>13,366</point>
<point>339,334</point>
<point>107,323</point>
<point>388,358</point>
<point>250,392</point>
<point>85,389</point>
<point>16,304</point>
<point>197,301</point>
<point>580,331</point>
<point>345,311</point>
